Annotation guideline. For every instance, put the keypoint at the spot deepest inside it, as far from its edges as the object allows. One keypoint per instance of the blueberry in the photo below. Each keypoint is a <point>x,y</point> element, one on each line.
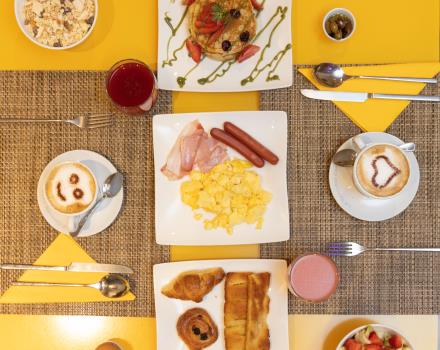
<point>203,336</point>
<point>235,13</point>
<point>244,37</point>
<point>196,330</point>
<point>226,45</point>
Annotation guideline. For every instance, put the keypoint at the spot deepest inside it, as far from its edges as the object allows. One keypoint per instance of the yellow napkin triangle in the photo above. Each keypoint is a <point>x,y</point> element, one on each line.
<point>377,115</point>
<point>63,251</point>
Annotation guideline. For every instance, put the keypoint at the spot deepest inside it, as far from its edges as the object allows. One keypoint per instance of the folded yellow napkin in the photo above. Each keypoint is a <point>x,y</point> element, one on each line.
<point>377,115</point>
<point>324,332</point>
<point>63,251</point>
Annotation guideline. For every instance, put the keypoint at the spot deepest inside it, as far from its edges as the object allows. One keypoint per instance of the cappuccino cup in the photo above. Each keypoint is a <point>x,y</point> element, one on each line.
<point>70,188</point>
<point>381,170</point>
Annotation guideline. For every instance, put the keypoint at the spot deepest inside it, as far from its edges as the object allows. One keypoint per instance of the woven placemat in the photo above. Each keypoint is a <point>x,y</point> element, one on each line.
<point>387,283</point>
<point>26,149</point>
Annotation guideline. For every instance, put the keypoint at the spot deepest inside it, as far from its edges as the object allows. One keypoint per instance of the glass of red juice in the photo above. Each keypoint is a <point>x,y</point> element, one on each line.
<point>313,277</point>
<point>132,86</point>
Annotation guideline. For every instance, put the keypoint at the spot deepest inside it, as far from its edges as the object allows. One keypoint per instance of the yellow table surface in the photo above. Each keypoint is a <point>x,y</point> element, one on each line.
<point>128,29</point>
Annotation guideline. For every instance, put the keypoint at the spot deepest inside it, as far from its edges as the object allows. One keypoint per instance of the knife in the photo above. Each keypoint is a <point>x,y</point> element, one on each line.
<point>73,267</point>
<point>362,96</point>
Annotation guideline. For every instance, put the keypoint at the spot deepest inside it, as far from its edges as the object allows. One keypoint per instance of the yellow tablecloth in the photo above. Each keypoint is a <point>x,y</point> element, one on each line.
<point>128,29</point>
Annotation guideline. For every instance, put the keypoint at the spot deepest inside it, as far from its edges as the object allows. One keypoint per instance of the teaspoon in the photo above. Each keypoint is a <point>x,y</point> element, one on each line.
<point>332,75</point>
<point>347,157</point>
<point>110,286</point>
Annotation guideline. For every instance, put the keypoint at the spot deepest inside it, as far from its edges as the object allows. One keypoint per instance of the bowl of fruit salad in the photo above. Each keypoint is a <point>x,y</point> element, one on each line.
<point>374,337</point>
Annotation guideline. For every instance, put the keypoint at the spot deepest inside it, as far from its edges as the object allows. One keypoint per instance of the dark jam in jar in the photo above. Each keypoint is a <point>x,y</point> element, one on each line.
<point>131,85</point>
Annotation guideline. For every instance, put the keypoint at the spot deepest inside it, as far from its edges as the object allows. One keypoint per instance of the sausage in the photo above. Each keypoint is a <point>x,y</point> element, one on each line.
<point>240,147</point>
<point>249,141</point>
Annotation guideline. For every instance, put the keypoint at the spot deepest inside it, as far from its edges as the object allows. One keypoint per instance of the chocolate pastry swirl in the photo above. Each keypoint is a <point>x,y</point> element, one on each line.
<point>376,171</point>
<point>197,329</point>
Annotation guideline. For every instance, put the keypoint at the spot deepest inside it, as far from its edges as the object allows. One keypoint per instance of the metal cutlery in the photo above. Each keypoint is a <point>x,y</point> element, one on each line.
<point>362,96</point>
<point>84,122</point>
<point>110,286</point>
<point>332,75</point>
<point>73,267</point>
<point>353,249</point>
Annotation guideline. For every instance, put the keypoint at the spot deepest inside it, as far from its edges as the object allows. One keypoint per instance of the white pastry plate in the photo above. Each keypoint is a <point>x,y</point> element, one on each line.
<point>369,209</point>
<point>175,223</point>
<point>169,310</point>
<point>278,74</point>
<point>104,214</point>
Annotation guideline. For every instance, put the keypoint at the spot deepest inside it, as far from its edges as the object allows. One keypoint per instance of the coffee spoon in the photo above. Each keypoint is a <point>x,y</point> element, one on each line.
<point>347,157</point>
<point>112,186</point>
<point>332,75</point>
<point>110,286</point>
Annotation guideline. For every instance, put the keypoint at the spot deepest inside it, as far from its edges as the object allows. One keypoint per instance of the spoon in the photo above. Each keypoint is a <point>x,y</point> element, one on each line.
<point>110,286</point>
<point>332,75</point>
<point>112,186</point>
<point>347,157</point>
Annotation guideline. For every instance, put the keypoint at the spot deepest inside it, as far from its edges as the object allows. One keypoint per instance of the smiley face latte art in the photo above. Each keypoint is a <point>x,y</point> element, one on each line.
<point>383,170</point>
<point>70,188</point>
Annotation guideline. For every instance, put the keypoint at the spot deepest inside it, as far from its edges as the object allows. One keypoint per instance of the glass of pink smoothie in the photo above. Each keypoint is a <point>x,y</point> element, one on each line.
<point>313,277</point>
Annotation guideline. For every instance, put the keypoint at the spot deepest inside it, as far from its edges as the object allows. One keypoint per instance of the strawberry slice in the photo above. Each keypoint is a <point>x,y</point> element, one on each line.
<point>209,29</point>
<point>372,347</point>
<point>216,34</point>
<point>396,341</point>
<point>248,52</point>
<point>352,344</point>
<point>374,339</point>
<point>194,49</point>
<point>257,5</point>
<point>188,2</point>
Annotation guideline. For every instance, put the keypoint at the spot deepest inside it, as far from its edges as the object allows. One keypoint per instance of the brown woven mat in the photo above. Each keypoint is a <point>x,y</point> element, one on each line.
<point>26,149</point>
<point>372,283</point>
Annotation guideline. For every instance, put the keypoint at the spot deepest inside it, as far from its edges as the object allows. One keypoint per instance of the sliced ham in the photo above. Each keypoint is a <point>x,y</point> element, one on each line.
<point>210,153</point>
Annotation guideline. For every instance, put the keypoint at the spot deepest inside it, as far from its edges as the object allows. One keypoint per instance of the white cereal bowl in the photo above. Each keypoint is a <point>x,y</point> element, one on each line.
<point>336,11</point>
<point>378,327</point>
<point>19,4</point>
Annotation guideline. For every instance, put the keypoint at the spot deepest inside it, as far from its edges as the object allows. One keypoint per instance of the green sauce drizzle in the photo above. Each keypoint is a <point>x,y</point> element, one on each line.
<point>256,71</point>
<point>181,81</point>
<point>174,30</point>
<point>214,75</point>
<point>169,62</point>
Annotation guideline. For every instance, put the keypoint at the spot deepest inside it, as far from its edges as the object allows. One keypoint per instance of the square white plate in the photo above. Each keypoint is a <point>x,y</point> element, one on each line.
<point>169,310</point>
<point>231,80</point>
<point>175,223</point>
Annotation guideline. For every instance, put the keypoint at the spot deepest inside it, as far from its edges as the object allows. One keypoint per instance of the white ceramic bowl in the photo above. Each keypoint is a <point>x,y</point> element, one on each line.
<point>378,327</point>
<point>336,11</point>
<point>20,20</point>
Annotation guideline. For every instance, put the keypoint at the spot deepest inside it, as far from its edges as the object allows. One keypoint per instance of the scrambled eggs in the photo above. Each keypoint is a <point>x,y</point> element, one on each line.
<point>230,191</point>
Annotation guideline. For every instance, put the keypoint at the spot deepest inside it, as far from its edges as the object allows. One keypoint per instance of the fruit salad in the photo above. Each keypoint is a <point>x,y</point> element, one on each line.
<point>372,339</point>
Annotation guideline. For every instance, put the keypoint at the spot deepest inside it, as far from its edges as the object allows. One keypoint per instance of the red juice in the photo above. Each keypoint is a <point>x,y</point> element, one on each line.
<point>132,86</point>
<point>313,277</point>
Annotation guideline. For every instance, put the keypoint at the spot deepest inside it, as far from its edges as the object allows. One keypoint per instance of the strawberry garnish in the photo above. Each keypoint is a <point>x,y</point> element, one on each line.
<point>372,347</point>
<point>194,49</point>
<point>247,52</point>
<point>188,2</point>
<point>352,344</point>
<point>216,34</point>
<point>374,339</point>
<point>396,341</point>
<point>257,5</point>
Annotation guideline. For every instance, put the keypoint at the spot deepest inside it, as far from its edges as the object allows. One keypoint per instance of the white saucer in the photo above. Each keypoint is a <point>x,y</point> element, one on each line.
<point>104,214</point>
<point>368,209</point>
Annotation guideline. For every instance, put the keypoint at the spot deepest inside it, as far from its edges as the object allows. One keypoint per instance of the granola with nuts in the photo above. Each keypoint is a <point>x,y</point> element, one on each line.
<point>59,23</point>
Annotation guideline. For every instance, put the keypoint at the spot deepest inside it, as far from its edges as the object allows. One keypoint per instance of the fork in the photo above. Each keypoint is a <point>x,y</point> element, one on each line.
<point>353,249</point>
<point>84,122</point>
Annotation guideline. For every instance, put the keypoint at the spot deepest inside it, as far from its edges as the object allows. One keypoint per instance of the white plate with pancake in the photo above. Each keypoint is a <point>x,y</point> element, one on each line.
<point>175,222</point>
<point>169,310</point>
<point>104,214</point>
<point>277,75</point>
<point>370,209</point>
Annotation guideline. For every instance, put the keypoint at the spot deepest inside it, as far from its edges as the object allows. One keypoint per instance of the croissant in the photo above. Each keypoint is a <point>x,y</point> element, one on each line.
<point>193,285</point>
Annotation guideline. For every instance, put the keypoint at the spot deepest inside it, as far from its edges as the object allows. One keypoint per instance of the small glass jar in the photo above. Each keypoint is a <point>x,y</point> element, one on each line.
<point>132,86</point>
<point>313,277</point>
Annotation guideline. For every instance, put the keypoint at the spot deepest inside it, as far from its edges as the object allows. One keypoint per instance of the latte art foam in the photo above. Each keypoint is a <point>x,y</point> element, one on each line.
<point>70,188</point>
<point>382,170</point>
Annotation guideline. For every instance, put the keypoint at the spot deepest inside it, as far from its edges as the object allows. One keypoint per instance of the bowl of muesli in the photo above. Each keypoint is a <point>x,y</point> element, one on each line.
<point>56,24</point>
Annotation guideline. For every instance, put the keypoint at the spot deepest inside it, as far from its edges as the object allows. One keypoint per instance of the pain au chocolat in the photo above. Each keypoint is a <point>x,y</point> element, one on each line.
<point>193,285</point>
